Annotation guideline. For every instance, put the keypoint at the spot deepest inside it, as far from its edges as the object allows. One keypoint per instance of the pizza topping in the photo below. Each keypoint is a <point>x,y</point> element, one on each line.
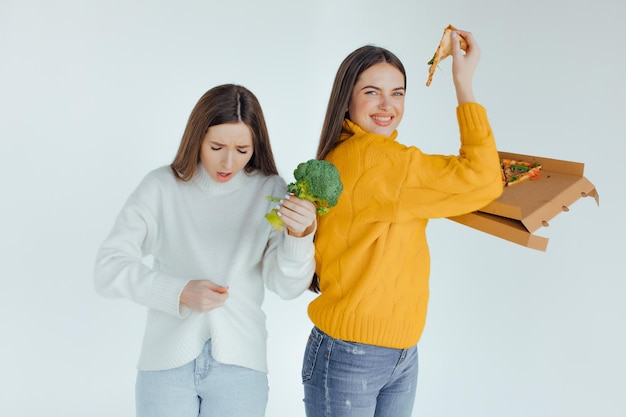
<point>514,172</point>
<point>522,168</point>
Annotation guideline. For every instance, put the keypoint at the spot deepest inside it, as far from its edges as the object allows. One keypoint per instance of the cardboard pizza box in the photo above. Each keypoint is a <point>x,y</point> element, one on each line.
<point>524,208</point>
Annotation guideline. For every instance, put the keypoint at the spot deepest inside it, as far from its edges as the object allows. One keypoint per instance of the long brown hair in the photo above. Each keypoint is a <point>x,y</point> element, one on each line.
<point>227,103</point>
<point>347,76</point>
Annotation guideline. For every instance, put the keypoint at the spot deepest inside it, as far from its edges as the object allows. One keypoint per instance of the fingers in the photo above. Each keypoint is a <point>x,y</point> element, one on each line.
<point>203,295</point>
<point>456,46</point>
<point>462,35</point>
<point>468,37</point>
<point>299,215</point>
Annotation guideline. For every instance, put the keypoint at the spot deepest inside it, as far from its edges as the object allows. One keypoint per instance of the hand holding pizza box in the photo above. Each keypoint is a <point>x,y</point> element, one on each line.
<point>531,198</point>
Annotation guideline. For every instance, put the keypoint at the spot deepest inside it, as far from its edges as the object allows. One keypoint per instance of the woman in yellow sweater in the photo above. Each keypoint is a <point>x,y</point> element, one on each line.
<point>371,252</point>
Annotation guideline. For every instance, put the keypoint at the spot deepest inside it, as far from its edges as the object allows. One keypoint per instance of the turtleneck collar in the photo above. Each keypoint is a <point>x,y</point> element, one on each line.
<point>349,128</point>
<point>208,184</point>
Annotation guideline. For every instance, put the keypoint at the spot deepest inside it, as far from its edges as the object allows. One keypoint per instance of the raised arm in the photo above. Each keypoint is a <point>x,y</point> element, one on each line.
<point>463,66</point>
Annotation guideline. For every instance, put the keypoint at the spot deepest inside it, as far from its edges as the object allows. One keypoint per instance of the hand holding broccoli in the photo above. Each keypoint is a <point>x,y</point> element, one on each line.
<point>315,180</point>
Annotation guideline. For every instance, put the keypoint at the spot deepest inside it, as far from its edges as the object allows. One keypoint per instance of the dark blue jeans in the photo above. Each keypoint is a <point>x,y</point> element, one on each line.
<point>346,379</point>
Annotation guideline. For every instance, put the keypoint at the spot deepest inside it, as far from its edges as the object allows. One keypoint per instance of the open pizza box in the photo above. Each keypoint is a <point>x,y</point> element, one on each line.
<point>524,208</point>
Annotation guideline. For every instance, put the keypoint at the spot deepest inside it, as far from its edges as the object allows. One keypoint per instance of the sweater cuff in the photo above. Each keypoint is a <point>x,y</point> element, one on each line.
<point>473,122</point>
<point>166,291</point>
<point>298,248</point>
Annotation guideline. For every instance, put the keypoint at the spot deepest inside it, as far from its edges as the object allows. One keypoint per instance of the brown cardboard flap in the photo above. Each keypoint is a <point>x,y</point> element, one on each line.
<point>525,207</point>
<point>503,227</point>
<point>536,203</point>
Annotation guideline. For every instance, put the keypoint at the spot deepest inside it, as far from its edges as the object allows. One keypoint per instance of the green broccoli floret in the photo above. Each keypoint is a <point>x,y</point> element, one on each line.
<point>315,180</point>
<point>319,182</point>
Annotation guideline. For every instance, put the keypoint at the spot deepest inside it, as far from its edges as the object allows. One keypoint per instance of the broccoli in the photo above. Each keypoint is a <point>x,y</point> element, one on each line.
<point>315,180</point>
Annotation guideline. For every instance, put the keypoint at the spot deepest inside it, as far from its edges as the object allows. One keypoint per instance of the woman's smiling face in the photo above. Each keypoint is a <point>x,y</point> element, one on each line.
<point>226,149</point>
<point>377,102</point>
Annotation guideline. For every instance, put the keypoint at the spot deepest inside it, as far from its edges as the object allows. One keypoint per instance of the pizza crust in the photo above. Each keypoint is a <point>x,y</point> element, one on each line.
<point>443,51</point>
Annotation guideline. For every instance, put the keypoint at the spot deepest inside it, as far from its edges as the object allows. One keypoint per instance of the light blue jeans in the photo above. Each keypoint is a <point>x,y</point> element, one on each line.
<point>203,387</point>
<point>345,379</point>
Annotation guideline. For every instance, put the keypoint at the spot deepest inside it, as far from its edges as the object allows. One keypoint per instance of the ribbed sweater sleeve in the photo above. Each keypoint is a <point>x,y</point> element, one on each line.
<point>120,271</point>
<point>288,260</point>
<point>435,186</point>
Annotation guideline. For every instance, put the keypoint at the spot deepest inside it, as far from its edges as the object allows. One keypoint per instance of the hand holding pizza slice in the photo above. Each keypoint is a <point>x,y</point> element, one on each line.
<point>444,50</point>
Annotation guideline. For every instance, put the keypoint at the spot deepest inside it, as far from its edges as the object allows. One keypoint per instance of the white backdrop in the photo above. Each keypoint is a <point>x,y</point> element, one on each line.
<point>94,94</point>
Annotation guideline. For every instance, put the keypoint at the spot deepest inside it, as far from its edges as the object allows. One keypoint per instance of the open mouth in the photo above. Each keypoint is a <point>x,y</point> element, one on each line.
<point>382,120</point>
<point>224,175</point>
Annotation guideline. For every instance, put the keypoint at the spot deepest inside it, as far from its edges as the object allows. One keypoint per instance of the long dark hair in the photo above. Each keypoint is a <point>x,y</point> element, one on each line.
<point>227,103</point>
<point>347,76</point>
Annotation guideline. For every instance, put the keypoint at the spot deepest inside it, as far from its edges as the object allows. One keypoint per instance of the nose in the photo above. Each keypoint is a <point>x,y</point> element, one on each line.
<point>384,102</point>
<point>227,160</point>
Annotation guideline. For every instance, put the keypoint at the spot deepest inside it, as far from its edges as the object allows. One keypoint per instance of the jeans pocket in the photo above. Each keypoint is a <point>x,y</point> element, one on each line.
<point>310,354</point>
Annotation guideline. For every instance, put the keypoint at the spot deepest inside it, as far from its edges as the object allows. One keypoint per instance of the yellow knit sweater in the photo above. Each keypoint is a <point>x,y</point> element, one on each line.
<point>371,250</point>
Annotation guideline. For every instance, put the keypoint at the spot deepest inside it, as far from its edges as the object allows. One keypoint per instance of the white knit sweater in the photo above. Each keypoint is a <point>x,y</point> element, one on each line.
<point>202,229</point>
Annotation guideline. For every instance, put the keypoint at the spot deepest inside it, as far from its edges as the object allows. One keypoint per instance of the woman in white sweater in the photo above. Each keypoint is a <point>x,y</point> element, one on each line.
<point>201,219</point>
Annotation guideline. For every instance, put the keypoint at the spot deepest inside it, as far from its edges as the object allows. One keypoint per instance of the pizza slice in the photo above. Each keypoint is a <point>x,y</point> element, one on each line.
<point>514,171</point>
<point>443,51</point>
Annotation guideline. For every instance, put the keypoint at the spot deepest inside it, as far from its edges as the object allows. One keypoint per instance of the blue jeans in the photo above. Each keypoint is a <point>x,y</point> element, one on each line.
<point>204,388</point>
<point>346,379</point>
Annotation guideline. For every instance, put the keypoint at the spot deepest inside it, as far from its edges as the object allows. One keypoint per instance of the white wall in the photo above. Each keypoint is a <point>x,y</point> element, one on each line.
<point>94,94</point>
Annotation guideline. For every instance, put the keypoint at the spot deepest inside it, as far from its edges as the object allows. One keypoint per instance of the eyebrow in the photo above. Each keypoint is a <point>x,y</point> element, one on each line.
<point>378,88</point>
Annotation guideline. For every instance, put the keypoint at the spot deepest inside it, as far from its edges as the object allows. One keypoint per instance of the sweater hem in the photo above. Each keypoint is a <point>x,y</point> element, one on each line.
<point>367,329</point>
